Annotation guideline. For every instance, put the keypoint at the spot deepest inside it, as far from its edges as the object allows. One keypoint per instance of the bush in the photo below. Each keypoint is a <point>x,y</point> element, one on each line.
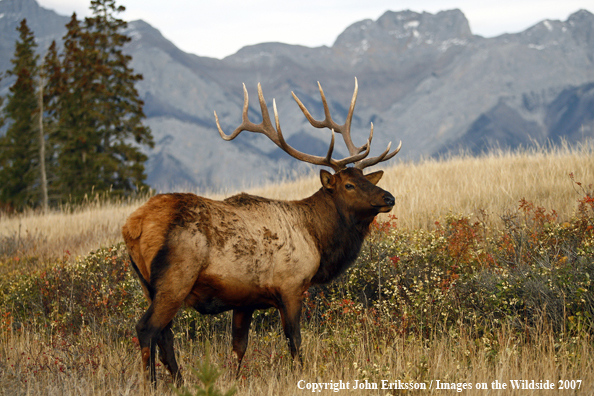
<point>96,290</point>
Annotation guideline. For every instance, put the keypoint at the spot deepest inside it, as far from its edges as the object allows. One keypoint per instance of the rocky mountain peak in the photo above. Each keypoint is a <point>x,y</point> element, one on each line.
<point>404,30</point>
<point>577,30</point>
<point>582,23</point>
<point>581,17</point>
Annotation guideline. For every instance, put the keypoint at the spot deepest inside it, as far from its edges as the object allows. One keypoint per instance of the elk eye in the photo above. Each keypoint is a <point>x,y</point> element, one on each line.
<point>349,186</point>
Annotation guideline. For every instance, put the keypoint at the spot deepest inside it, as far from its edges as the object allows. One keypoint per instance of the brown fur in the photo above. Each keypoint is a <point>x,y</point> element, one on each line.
<point>245,253</point>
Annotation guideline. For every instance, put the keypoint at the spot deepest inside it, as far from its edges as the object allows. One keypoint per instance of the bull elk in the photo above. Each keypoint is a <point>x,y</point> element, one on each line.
<point>246,252</point>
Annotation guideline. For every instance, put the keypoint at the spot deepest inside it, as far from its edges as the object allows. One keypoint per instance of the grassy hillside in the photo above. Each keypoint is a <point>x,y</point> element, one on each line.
<point>485,275</point>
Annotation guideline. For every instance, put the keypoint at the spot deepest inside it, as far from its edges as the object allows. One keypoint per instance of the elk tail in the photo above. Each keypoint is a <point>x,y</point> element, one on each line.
<point>146,285</point>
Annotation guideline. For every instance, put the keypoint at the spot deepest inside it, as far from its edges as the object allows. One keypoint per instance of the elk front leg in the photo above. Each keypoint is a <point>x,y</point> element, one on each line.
<point>240,332</point>
<point>290,317</point>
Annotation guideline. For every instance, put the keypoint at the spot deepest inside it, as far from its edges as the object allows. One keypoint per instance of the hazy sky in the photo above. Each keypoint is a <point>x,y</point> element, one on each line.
<point>218,28</point>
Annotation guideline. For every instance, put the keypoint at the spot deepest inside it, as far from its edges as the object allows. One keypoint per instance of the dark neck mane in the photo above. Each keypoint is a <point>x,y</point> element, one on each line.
<point>338,237</point>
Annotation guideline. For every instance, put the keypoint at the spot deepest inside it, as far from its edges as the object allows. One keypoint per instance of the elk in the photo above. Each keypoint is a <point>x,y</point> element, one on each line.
<point>247,252</point>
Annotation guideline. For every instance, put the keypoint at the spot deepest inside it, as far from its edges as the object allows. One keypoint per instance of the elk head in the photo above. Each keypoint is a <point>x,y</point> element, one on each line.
<point>355,195</point>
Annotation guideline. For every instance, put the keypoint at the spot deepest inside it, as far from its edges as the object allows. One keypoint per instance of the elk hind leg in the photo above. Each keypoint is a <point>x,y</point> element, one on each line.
<point>167,354</point>
<point>147,336</point>
<point>240,332</point>
<point>150,328</point>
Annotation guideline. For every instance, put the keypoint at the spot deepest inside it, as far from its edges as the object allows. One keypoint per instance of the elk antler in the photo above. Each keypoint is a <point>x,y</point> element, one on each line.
<point>357,154</point>
<point>345,129</point>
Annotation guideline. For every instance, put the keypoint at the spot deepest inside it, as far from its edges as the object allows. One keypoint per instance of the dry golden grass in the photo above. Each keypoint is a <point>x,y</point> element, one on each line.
<point>40,367</point>
<point>60,233</point>
<point>428,190</point>
<point>424,192</point>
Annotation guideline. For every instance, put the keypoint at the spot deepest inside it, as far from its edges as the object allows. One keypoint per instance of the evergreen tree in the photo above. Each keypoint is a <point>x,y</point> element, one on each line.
<point>19,174</point>
<point>54,87</point>
<point>99,110</point>
<point>73,83</point>
<point>122,113</point>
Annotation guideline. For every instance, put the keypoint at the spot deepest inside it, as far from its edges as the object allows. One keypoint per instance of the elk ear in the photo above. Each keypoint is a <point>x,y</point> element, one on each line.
<point>327,179</point>
<point>374,177</point>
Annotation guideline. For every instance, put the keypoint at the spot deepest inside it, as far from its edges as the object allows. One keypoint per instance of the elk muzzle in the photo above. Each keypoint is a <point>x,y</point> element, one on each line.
<point>389,202</point>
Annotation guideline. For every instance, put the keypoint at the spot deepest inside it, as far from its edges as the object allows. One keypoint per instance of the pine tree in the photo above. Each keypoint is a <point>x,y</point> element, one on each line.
<point>99,108</point>
<point>122,111</point>
<point>19,174</point>
<point>54,87</point>
<point>73,84</point>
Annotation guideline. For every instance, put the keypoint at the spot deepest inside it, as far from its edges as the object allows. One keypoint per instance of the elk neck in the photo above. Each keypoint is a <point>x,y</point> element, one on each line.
<point>338,236</point>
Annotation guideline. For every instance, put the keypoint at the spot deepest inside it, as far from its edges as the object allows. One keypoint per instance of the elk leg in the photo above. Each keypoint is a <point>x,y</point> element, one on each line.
<point>167,355</point>
<point>290,317</point>
<point>149,329</point>
<point>147,335</point>
<point>240,332</point>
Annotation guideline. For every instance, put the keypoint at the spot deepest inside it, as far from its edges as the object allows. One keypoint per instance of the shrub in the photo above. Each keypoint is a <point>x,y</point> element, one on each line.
<point>96,290</point>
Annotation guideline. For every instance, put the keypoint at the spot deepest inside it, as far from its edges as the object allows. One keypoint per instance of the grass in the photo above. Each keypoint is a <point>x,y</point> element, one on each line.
<point>35,366</point>
<point>465,287</point>
<point>430,189</point>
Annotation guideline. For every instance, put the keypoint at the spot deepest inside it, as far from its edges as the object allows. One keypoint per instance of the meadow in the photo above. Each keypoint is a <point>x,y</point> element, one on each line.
<point>481,273</point>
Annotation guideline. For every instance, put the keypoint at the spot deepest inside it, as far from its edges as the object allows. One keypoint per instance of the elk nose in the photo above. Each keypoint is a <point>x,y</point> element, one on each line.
<point>389,199</point>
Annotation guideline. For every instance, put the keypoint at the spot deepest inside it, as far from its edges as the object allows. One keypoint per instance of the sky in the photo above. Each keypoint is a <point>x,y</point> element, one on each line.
<point>218,28</point>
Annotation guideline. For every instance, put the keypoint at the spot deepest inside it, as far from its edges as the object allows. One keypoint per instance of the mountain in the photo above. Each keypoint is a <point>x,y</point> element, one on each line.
<point>46,24</point>
<point>424,78</point>
<point>533,118</point>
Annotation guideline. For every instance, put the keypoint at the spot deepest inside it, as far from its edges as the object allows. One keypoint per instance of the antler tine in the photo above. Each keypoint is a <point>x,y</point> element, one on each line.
<point>265,127</point>
<point>347,133</point>
<point>380,158</point>
<point>244,119</point>
<point>357,157</point>
<point>328,159</point>
<point>330,149</point>
<point>328,122</point>
<point>312,159</point>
